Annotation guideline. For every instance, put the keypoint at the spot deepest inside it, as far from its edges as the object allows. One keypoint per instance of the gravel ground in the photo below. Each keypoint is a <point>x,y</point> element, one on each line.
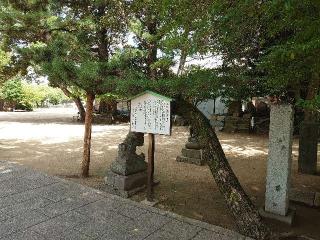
<point>48,140</point>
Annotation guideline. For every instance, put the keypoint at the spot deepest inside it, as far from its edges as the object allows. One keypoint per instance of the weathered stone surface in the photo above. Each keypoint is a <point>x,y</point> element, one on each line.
<point>302,196</point>
<point>23,221</point>
<point>126,183</point>
<point>205,234</point>
<point>308,147</point>
<point>317,199</point>
<point>110,217</point>
<point>128,161</point>
<point>127,174</point>
<point>191,153</point>
<point>193,145</point>
<point>26,235</point>
<point>97,228</point>
<point>175,230</point>
<point>68,204</point>
<point>197,161</point>
<point>279,159</point>
<point>20,208</point>
<point>144,225</point>
<point>57,226</point>
<point>288,218</point>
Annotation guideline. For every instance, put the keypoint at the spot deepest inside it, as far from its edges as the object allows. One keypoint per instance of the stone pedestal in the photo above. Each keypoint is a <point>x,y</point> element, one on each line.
<point>279,161</point>
<point>128,173</point>
<point>308,148</point>
<point>192,153</point>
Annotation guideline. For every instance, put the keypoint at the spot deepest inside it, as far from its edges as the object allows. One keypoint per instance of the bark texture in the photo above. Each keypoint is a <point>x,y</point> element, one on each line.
<point>246,216</point>
<point>76,100</point>
<point>1,105</point>
<point>87,136</point>
<point>309,133</point>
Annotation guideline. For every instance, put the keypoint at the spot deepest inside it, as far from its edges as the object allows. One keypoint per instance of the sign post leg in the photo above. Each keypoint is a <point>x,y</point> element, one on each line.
<point>150,167</point>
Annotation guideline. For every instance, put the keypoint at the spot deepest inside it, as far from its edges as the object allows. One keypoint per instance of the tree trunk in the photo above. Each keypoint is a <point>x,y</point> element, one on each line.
<point>1,105</point>
<point>308,139</point>
<point>87,136</point>
<point>82,111</point>
<point>313,89</point>
<point>76,100</point>
<point>152,50</point>
<point>245,214</point>
<point>182,63</point>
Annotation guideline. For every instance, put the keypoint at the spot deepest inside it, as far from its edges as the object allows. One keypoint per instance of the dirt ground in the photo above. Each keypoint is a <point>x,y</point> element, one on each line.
<point>49,140</point>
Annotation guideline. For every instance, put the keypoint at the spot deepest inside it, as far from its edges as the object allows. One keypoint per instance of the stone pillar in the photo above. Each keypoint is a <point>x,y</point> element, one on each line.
<point>308,147</point>
<point>128,172</point>
<point>279,162</point>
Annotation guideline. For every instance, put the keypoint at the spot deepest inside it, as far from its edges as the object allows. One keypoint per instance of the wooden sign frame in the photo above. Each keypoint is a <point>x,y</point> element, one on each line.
<point>151,135</point>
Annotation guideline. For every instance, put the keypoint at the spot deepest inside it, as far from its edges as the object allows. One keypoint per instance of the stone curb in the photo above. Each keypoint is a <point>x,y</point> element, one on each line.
<point>309,198</point>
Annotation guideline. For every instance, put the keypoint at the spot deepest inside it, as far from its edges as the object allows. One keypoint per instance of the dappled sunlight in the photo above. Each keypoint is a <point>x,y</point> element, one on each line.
<point>112,147</point>
<point>6,171</point>
<point>245,151</point>
<point>227,141</point>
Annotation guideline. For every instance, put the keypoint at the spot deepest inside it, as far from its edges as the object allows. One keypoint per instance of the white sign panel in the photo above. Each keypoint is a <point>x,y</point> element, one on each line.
<point>150,113</point>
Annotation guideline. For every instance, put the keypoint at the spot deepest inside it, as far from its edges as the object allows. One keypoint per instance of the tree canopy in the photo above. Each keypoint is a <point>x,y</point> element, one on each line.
<point>120,48</point>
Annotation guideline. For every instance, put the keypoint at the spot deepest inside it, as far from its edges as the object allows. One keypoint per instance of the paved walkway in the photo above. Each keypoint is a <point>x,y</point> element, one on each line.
<point>34,206</point>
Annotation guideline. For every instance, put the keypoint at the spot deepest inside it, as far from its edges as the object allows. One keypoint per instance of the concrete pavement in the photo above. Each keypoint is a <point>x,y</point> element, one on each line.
<point>35,206</point>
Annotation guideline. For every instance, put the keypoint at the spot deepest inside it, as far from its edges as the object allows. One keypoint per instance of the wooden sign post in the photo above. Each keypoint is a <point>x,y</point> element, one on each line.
<point>150,167</point>
<point>151,113</point>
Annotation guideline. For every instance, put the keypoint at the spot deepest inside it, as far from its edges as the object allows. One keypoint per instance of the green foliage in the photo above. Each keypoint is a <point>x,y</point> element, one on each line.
<point>12,90</point>
<point>313,104</point>
<point>4,63</point>
<point>42,95</point>
<point>70,42</point>
<point>272,47</point>
<point>27,96</point>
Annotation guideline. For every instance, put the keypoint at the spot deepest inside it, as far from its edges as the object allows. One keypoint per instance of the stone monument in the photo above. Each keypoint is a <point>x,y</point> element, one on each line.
<point>128,172</point>
<point>279,164</point>
<point>192,153</point>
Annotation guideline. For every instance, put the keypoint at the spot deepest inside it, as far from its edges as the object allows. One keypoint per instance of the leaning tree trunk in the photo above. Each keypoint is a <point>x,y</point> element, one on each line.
<point>245,214</point>
<point>87,136</point>
<point>82,111</point>
<point>76,100</point>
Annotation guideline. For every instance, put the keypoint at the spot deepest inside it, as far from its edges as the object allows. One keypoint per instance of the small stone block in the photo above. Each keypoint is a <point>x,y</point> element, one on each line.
<point>123,193</point>
<point>191,153</point>
<point>196,161</point>
<point>128,182</point>
<point>288,219</point>
<point>302,197</point>
<point>317,200</point>
<point>193,145</point>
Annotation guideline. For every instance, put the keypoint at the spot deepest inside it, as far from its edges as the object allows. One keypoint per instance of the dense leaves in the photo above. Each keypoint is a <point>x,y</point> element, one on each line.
<point>269,47</point>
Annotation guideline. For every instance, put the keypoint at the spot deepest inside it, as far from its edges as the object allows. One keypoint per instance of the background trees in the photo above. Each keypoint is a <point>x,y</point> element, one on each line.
<point>125,47</point>
<point>18,94</point>
<point>72,42</point>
